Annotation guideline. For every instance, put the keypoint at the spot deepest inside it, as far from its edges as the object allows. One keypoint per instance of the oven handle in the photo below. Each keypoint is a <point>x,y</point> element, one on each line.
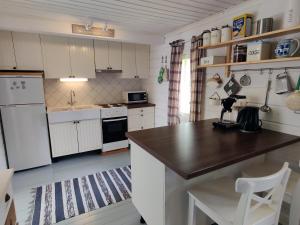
<point>112,120</point>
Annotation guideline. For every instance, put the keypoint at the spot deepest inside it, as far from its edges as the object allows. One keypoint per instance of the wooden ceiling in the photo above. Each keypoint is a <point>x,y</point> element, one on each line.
<point>154,16</point>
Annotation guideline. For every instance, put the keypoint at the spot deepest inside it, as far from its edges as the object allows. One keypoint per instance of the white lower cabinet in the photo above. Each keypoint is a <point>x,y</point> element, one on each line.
<point>74,137</point>
<point>140,118</point>
<point>63,139</point>
<point>89,135</point>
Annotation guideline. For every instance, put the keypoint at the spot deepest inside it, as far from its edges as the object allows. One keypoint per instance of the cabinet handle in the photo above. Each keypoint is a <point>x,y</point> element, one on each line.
<point>142,110</point>
<point>142,115</point>
<point>7,198</point>
<point>14,67</point>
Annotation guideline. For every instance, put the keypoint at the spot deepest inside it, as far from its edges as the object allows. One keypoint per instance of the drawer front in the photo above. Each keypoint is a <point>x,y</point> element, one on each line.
<point>146,110</point>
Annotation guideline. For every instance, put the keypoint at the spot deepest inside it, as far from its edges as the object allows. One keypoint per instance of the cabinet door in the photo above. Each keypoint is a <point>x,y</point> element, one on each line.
<point>128,61</point>
<point>28,51</point>
<point>82,58</point>
<point>89,135</point>
<point>147,121</point>
<point>142,60</point>
<point>101,54</point>
<point>63,139</point>
<point>115,55</point>
<point>134,122</point>
<point>56,56</point>
<point>7,55</point>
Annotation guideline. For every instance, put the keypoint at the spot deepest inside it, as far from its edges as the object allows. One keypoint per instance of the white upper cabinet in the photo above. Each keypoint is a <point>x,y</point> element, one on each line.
<point>108,55</point>
<point>7,56</point>
<point>128,61</point>
<point>101,55</point>
<point>56,56</point>
<point>82,58</point>
<point>28,51</point>
<point>115,55</point>
<point>142,60</point>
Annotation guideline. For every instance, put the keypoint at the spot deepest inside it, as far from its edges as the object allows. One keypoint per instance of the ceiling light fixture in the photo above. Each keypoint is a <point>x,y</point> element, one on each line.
<point>88,29</point>
<point>72,79</point>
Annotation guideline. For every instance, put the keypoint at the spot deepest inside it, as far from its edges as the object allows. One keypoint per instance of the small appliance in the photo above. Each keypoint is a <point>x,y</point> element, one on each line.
<point>287,48</point>
<point>132,97</point>
<point>24,122</point>
<point>248,119</point>
<point>227,107</point>
<point>114,126</point>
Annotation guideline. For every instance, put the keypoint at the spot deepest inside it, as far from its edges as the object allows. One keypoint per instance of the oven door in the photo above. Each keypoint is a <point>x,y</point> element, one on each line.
<point>114,129</point>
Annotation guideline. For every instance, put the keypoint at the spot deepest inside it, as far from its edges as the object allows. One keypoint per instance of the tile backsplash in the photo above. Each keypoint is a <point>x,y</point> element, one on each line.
<point>106,88</point>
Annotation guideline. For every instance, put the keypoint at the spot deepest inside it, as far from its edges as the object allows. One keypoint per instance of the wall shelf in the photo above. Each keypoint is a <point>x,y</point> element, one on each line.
<point>273,34</point>
<point>290,59</point>
<point>229,44</point>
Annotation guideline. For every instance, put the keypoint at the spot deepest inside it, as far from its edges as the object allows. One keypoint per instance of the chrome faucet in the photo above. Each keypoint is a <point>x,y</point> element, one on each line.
<point>72,98</point>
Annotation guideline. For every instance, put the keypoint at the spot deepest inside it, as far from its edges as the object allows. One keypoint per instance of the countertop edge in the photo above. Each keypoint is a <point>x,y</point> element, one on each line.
<point>189,176</point>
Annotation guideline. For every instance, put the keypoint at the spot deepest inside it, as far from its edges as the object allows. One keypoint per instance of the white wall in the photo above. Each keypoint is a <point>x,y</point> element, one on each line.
<point>280,118</point>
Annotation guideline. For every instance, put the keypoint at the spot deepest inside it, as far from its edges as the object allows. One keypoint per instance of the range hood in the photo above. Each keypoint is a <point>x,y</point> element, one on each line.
<point>108,71</point>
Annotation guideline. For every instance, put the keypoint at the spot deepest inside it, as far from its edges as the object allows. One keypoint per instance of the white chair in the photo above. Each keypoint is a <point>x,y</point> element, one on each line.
<point>218,200</point>
<point>292,193</point>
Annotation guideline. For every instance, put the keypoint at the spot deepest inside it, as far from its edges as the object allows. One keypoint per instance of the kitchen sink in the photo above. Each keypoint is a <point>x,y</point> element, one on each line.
<point>73,113</point>
<point>71,108</point>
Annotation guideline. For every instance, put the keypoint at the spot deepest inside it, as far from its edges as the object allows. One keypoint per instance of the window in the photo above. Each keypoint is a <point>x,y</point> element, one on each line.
<point>185,87</point>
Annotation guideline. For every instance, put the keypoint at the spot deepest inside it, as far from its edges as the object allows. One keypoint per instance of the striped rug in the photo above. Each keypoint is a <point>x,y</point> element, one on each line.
<point>66,199</point>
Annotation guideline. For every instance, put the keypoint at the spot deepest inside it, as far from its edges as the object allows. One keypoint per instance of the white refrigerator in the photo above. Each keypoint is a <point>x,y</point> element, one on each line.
<point>24,122</point>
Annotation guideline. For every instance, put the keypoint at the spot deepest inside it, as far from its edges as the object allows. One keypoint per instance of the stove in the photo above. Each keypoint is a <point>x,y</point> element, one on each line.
<point>114,126</point>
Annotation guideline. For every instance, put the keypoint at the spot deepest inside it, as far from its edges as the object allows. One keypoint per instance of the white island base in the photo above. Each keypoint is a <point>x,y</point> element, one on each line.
<point>160,194</point>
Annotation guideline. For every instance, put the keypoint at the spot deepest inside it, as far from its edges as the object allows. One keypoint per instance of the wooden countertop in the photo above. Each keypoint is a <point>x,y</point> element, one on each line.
<point>139,105</point>
<point>194,149</point>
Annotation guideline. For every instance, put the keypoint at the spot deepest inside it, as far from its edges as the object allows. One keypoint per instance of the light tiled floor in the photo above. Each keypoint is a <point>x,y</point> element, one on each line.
<point>122,213</point>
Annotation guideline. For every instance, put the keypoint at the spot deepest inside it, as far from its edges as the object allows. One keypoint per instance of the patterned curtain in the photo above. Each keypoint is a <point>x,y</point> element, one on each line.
<point>197,78</point>
<point>174,82</point>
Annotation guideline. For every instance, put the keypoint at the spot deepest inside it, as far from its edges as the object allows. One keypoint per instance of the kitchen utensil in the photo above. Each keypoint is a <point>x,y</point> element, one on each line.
<point>215,99</point>
<point>287,48</point>
<point>264,25</point>
<point>232,87</point>
<point>265,108</point>
<point>214,81</point>
<point>248,119</point>
<point>293,100</point>
<point>206,37</point>
<point>215,36</point>
<point>283,84</point>
<point>226,33</point>
<point>245,80</point>
<point>240,53</point>
<point>292,14</point>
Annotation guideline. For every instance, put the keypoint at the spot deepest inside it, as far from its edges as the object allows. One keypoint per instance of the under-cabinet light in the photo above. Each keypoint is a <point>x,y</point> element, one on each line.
<point>73,79</point>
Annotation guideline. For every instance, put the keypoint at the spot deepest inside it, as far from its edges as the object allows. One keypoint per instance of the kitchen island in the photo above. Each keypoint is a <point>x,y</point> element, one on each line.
<point>167,161</point>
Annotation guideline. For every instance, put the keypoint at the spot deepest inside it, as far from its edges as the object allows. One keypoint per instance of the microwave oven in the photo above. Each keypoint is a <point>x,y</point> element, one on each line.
<point>131,97</point>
